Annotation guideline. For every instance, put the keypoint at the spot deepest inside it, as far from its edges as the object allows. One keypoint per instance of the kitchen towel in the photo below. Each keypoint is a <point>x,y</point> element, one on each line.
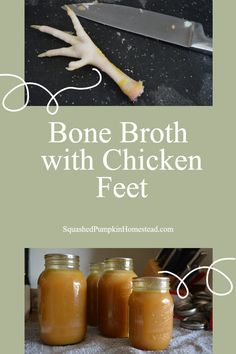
<point>184,342</point>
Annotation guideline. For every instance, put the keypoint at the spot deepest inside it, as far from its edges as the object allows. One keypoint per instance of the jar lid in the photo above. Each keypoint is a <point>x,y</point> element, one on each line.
<point>96,267</point>
<point>151,283</point>
<point>185,308</point>
<point>201,302</point>
<point>203,295</point>
<point>55,260</point>
<point>196,322</point>
<point>118,263</point>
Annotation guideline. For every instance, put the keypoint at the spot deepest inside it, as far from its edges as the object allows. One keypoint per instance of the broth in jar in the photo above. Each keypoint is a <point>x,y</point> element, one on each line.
<point>114,289</point>
<point>150,313</point>
<point>62,300</point>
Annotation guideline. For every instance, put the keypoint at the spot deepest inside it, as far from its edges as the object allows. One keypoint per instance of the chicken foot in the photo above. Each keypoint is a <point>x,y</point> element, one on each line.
<point>81,46</point>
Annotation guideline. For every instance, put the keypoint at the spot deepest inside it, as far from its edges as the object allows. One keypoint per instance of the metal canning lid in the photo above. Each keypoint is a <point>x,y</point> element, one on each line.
<point>201,302</point>
<point>59,261</point>
<point>96,267</point>
<point>203,295</point>
<point>151,283</point>
<point>118,263</point>
<point>180,303</point>
<point>196,322</point>
<point>185,308</point>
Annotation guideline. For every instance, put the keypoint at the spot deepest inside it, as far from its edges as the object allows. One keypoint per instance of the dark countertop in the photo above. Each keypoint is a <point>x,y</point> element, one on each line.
<point>172,75</point>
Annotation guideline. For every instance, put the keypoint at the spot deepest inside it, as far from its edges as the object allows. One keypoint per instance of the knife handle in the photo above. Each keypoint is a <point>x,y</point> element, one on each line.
<point>200,41</point>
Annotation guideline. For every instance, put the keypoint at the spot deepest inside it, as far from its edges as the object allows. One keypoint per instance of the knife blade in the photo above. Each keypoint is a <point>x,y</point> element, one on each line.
<point>188,34</point>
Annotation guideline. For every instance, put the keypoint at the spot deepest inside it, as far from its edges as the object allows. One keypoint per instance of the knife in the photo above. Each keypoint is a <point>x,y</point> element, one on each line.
<point>163,255</point>
<point>151,24</point>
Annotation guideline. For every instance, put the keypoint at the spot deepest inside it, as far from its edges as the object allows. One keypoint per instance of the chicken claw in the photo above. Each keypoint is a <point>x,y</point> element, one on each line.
<point>82,47</point>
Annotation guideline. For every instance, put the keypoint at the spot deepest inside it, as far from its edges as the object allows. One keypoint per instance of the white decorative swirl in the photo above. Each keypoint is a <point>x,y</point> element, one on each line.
<point>209,268</point>
<point>53,96</point>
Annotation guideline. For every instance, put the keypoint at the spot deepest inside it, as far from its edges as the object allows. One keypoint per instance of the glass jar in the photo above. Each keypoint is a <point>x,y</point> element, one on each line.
<point>95,271</point>
<point>62,300</point>
<point>150,313</point>
<point>114,289</point>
